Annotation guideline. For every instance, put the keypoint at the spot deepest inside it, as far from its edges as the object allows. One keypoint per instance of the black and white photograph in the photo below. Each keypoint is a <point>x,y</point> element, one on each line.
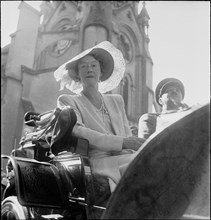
<point>105,110</point>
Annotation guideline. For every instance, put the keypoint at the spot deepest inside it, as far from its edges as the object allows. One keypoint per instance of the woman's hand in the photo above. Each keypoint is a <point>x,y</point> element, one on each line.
<point>132,142</point>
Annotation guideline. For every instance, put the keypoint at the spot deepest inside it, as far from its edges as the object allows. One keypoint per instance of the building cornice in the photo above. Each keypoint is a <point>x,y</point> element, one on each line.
<point>25,69</point>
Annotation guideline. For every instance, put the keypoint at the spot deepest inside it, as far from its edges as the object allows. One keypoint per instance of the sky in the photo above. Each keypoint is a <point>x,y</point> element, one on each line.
<point>179,33</point>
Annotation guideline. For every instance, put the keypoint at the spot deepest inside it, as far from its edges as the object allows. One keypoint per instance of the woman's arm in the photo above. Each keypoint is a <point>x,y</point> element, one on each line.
<point>104,142</point>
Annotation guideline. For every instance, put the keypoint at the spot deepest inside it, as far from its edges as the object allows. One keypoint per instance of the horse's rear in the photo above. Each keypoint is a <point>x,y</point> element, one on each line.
<point>169,178</point>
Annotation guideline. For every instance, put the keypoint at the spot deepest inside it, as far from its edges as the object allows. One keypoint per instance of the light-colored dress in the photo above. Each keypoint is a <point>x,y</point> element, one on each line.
<point>105,131</point>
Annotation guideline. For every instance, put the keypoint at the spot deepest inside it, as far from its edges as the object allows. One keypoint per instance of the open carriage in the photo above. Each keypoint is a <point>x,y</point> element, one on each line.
<point>50,177</point>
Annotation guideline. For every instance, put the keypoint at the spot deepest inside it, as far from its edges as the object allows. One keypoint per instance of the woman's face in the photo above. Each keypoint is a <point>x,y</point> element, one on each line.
<point>89,71</point>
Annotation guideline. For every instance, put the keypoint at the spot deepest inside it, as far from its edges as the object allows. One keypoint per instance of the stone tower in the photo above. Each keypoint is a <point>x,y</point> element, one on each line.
<point>44,40</point>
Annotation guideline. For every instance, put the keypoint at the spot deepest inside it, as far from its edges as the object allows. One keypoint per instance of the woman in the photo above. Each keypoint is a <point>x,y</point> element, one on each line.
<point>101,118</point>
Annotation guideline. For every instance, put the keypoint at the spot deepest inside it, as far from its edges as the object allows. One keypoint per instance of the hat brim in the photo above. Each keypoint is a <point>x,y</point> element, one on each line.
<point>112,68</point>
<point>105,59</point>
<point>164,84</point>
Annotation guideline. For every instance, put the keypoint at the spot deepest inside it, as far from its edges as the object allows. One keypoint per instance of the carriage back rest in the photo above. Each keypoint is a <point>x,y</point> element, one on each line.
<point>37,183</point>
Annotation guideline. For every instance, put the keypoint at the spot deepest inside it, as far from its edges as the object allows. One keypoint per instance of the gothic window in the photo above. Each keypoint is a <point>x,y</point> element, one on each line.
<point>124,44</point>
<point>125,93</point>
<point>125,90</point>
<point>60,47</point>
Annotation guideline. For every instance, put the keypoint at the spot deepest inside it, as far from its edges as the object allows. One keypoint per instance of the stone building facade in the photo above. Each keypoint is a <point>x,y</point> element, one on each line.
<point>47,38</point>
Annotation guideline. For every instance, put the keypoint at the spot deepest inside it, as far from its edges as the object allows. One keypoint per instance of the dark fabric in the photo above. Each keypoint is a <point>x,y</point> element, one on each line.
<point>62,130</point>
<point>101,189</point>
<point>57,127</point>
<point>101,193</point>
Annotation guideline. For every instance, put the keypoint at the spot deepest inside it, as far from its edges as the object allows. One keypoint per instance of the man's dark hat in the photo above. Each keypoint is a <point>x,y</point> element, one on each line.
<point>167,82</point>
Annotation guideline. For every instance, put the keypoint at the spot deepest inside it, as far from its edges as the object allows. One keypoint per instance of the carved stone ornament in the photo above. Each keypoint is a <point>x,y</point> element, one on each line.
<point>59,47</point>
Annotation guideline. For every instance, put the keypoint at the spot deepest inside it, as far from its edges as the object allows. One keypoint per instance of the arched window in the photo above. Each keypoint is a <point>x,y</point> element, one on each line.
<point>125,45</point>
<point>126,91</point>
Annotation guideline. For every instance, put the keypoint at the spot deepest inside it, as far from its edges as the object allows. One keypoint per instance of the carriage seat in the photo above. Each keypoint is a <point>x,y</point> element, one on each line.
<point>56,128</point>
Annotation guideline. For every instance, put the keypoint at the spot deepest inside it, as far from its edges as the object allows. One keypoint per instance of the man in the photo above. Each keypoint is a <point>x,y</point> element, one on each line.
<point>169,94</point>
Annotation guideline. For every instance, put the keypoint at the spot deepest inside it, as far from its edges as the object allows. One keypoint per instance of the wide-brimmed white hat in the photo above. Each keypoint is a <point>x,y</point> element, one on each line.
<point>112,68</point>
